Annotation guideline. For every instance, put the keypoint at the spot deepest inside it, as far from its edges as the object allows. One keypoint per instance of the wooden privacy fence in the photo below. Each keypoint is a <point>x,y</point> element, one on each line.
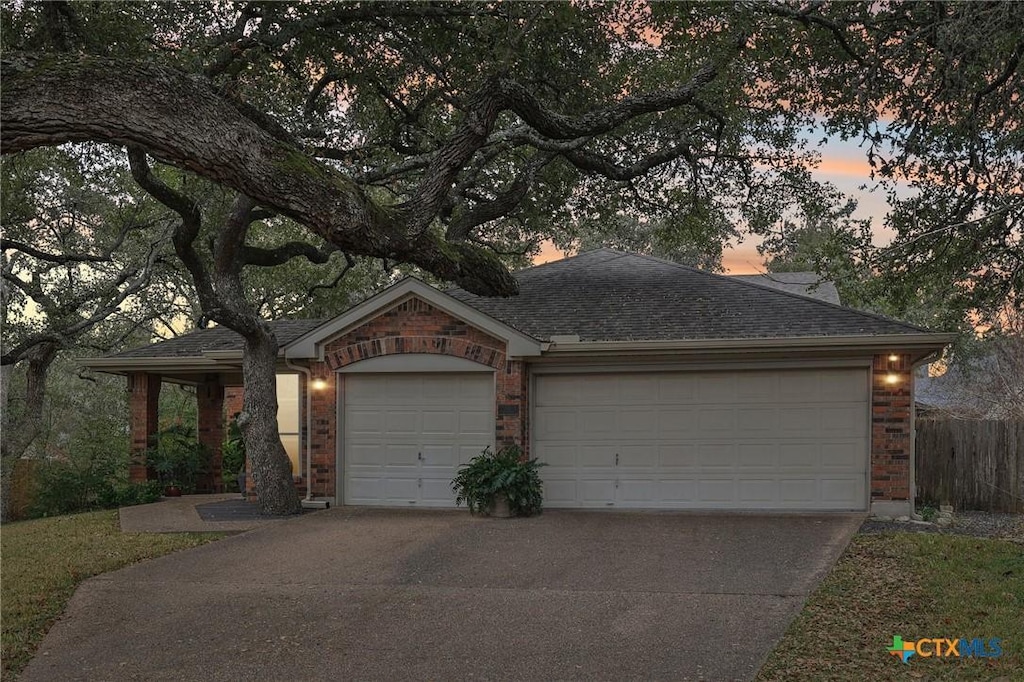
<point>971,464</point>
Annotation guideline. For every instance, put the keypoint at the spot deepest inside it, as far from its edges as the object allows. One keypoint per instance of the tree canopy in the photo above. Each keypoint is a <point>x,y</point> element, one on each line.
<point>425,132</point>
<point>455,137</point>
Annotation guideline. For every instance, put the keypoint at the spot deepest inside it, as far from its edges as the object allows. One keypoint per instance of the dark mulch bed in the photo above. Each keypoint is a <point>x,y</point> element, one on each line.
<point>233,510</point>
<point>976,524</point>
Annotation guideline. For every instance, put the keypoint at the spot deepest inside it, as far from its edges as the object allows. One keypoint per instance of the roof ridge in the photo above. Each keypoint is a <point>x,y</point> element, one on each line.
<point>538,266</point>
<point>578,254</point>
<point>783,292</point>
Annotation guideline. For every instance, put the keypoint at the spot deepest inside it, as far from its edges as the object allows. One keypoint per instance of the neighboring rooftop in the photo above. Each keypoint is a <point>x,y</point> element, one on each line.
<point>608,295</point>
<point>803,283</point>
<point>194,344</point>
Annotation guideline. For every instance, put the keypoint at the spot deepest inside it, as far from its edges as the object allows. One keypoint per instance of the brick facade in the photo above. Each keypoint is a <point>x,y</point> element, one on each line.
<point>212,430</point>
<point>232,401</point>
<point>412,326</point>
<point>891,428</point>
<point>143,417</point>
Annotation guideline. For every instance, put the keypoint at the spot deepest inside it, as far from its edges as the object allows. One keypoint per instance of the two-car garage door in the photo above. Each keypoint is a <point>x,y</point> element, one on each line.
<point>714,440</point>
<point>771,439</point>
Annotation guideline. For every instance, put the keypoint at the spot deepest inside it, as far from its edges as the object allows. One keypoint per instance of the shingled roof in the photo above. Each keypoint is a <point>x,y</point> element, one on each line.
<point>608,295</point>
<point>194,344</point>
<point>803,283</point>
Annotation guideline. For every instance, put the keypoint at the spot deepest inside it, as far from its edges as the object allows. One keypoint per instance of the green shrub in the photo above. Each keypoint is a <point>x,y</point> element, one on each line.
<point>78,482</point>
<point>178,458</point>
<point>233,455</point>
<point>506,472</point>
<point>127,494</point>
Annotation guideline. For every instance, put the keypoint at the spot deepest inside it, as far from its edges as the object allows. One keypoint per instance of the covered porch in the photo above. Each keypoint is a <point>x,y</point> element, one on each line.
<point>215,375</point>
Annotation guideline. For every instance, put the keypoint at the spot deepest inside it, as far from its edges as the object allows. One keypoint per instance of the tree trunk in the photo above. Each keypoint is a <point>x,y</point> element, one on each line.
<point>18,435</point>
<point>268,462</point>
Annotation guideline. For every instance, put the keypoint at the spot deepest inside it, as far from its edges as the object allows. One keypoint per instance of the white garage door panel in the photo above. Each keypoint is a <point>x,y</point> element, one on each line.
<point>405,435</point>
<point>786,439</point>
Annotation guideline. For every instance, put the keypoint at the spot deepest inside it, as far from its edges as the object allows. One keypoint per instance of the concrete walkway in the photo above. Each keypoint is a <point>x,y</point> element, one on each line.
<point>363,594</point>
<point>179,515</point>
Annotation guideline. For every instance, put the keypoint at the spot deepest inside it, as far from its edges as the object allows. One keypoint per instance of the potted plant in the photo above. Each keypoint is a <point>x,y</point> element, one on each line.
<point>500,484</point>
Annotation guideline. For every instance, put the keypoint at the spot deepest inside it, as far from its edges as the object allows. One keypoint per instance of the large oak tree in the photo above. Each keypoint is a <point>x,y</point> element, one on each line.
<point>442,134</point>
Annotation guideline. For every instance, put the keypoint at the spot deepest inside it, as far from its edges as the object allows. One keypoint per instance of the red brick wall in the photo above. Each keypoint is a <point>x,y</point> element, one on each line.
<point>211,427</point>
<point>143,417</point>
<point>325,428</point>
<point>232,402</point>
<point>413,326</point>
<point>891,428</point>
<point>512,409</point>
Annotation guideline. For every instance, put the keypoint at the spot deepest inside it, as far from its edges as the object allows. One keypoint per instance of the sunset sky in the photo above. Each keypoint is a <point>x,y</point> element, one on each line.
<point>844,165</point>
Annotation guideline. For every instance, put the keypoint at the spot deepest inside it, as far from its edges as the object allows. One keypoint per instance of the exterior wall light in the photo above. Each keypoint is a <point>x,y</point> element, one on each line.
<point>894,358</point>
<point>319,384</point>
<point>892,378</point>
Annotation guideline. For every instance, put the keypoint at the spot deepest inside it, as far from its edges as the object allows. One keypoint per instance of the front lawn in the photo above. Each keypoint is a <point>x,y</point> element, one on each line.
<point>43,561</point>
<point>916,586</point>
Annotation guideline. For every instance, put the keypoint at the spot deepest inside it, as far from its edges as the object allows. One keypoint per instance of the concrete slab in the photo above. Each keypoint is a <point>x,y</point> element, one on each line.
<point>377,594</point>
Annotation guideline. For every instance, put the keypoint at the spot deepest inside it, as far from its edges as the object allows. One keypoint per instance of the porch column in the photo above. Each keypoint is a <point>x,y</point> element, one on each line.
<point>212,426</point>
<point>143,417</point>
<point>512,409</point>
<point>891,440</point>
<point>324,446</point>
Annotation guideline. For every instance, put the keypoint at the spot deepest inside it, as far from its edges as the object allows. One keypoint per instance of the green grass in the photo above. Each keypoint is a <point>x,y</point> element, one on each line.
<point>43,561</point>
<point>918,586</point>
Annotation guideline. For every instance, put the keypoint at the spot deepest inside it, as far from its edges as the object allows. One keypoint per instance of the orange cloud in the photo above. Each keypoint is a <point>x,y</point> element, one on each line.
<point>850,167</point>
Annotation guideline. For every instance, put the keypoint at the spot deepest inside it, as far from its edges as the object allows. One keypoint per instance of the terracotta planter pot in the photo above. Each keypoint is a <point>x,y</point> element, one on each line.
<point>172,491</point>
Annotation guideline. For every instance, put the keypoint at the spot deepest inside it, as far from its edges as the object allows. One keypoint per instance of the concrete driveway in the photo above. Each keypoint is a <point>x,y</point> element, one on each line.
<point>358,594</point>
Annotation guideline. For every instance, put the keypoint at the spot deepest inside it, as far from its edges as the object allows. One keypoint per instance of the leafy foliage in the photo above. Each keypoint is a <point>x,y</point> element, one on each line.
<point>233,452</point>
<point>505,472</point>
<point>178,458</point>
<point>87,480</point>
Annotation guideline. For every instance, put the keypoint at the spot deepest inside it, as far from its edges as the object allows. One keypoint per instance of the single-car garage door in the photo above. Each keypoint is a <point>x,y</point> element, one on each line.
<point>406,435</point>
<point>780,439</point>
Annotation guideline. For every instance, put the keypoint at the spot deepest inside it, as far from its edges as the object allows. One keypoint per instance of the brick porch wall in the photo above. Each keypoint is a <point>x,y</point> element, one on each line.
<point>232,402</point>
<point>212,429</point>
<point>143,417</point>
<point>891,429</point>
<point>413,326</point>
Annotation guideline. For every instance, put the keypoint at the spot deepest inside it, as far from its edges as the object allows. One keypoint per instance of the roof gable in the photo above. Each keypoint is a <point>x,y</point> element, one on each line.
<point>311,344</point>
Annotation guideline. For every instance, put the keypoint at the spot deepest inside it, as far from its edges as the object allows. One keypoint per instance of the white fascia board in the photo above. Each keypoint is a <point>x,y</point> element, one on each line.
<point>310,345</point>
<point>880,343</point>
<point>180,364</point>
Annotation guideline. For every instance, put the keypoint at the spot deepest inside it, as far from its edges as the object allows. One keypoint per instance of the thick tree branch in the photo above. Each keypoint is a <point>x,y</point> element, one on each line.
<point>127,284</point>
<point>48,101</point>
<point>252,255</point>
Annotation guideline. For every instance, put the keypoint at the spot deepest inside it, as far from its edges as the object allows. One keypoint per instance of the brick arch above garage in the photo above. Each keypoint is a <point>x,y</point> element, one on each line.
<point>415,326</point>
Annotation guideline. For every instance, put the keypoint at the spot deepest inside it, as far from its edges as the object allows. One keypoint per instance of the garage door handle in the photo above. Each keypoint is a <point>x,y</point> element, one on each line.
<point>616,459</point>
<point>419,456</point>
